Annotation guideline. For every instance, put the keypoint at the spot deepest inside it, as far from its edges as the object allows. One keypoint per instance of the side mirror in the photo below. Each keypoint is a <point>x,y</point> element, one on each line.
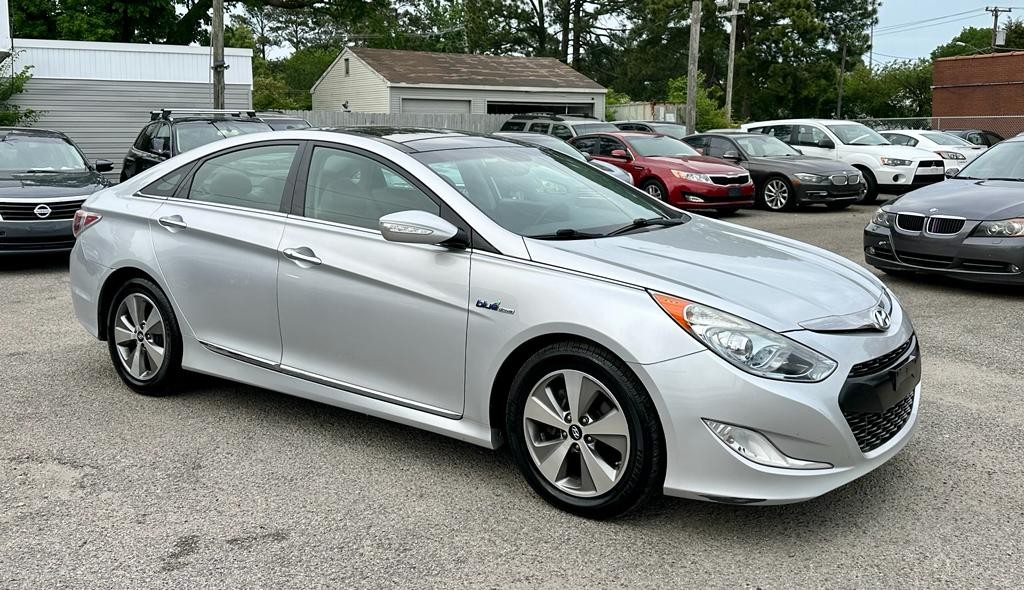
<point>826,143</point>
<point>416,227</point>
<point>732,155</point>
<point>621,154</point>
<point>952,172</point>
<point>103,165</point>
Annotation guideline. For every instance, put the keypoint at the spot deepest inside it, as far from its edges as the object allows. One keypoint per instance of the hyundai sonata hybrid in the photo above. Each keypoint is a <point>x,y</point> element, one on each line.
<point>499,293</point>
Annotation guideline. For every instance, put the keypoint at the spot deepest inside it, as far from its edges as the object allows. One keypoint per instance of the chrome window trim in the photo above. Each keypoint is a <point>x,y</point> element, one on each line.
<point>329,382</point>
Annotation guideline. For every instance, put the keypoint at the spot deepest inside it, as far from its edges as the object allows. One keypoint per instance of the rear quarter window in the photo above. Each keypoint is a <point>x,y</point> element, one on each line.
<point>513,126</point>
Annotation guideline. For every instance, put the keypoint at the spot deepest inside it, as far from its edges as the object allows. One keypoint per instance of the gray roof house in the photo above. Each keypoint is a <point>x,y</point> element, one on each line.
<point>394,81</point>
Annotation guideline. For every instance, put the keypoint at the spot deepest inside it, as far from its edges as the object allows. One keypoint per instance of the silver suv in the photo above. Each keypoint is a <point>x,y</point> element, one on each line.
<point>563,127</point>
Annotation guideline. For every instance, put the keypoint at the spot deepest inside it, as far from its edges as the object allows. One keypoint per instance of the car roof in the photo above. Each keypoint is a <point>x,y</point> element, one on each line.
<point>621,134</point>
<point>730,134</point>
<point>797,121</point>
<point>31,131</point>
<point>423,139</point>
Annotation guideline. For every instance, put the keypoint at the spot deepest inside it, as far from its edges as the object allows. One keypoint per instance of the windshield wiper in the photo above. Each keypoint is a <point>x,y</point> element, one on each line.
<point>566,234</point>
<point>650,222</point>
<point>40,171</point>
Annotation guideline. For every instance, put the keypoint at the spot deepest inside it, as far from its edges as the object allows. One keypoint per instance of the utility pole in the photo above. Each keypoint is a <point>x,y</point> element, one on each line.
<point>842,75</point>
<point>217,41</point>
<point>996,11</point>
<point>871,41</point>
<point>735,14</point>
<point>691,72</point>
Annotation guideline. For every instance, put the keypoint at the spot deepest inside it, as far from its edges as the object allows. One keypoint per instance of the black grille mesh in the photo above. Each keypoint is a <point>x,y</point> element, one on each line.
<point>727,180</point>
<point>944,225</point>
<point>25,211</point>
<point>909,222</point>
<point>881,363</point>
<point>874,430</point>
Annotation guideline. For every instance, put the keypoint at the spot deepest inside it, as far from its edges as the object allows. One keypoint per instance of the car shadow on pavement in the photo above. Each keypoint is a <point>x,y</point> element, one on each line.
<point>41,263</point>
<point>1009,292</point>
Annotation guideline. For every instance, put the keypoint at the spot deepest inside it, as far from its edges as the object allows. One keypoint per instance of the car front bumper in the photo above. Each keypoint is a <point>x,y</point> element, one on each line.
<point>898,180</point>
<point>803,420</point>
<point>34,237</point>
<point>693,195</point>
<point>827,193</point>
<point>976,259</point>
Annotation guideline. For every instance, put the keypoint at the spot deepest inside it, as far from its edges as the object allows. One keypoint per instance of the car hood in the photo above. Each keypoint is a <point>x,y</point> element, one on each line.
<point>703,164</point>
<point>977,200</point>
<point>901,152</point>
<point>49,185</point>
<point>767,279</point>
<point>803,164</point>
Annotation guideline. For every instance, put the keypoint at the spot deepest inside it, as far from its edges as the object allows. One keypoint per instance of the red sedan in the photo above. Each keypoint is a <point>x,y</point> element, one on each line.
<point>672,170</point>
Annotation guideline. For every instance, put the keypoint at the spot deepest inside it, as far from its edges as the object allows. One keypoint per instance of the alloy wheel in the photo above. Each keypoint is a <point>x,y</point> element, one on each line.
<point>576,433</point>
<point>654,190</point>
<point>139,336</point>
<point>776,194</point>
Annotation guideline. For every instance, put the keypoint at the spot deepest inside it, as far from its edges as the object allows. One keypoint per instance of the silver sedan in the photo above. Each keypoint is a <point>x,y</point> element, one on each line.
<point>498,293</point>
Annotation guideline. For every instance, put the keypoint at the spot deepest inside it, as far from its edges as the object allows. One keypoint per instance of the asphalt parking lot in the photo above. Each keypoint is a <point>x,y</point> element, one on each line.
<point>231,486</point>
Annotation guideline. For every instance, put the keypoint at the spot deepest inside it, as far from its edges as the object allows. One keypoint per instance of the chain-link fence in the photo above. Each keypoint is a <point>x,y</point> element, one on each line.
<point>1005,126</point>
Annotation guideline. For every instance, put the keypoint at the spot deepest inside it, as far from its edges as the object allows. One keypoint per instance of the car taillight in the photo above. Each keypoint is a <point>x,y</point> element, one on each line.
<point>83,220</point>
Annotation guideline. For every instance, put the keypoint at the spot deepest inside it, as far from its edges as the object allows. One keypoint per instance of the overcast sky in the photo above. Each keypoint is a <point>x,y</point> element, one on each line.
<point>913,28</point>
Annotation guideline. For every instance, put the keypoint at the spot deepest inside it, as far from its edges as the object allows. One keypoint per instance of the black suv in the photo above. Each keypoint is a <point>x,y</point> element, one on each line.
<point>173,131</point>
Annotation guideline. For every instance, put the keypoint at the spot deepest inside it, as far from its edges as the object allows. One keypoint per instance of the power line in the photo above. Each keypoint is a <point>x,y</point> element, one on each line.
<point>927,26</point>
<point>927,20</point>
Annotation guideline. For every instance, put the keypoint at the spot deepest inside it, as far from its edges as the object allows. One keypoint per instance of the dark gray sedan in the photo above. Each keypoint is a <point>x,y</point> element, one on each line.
<point>970,227</point>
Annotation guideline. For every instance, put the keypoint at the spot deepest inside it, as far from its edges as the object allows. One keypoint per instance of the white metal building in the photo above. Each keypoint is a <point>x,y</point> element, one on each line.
<point>101,94</point>
<point>394,81</point>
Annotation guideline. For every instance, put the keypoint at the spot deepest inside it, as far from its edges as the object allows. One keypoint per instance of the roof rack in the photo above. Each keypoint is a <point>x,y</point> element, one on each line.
<point>552,116</point>
<point>169,114</point>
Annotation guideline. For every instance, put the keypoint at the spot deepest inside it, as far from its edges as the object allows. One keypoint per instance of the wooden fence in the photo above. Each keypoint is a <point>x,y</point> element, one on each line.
<point>462,122</point>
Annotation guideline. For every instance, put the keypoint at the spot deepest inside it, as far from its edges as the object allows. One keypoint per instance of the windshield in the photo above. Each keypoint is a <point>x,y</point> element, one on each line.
<point>764,146</point>
<point>857,134</point>
<point>532,192</point>
<point>285,124</point>
<point>546,141</point>
<point>1003,160</point>
<point>27,153</point>
<point>946,139</point>
<point>660,145</point>
<point>192,134</point>
<point>676,131</point>
<point>586,128</point>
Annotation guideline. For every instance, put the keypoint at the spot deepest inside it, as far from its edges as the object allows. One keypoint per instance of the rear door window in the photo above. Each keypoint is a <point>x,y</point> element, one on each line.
<point>717,147</point>
<point>587,145</point>
<point>145,138</point>
<point>561,132</point>
<point>609,145</point>
<point>514,126</point>
<point>254,178</point>
<point>808,135</point>
<point>539,127</point>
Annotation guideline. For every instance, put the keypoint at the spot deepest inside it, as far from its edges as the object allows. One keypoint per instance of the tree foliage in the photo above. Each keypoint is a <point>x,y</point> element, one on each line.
<point>976,41</point>
<point>12,82</point>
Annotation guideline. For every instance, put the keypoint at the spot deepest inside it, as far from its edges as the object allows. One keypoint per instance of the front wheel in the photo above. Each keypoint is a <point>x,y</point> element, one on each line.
<point>656,189</point>
<point>583,431</point>
<point>144,339</point>
<point>777,195</point>
<point>870,193</point>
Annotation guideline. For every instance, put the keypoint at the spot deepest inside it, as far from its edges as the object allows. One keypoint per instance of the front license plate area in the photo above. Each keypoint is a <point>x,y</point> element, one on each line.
<point>734,191</point>
<point>877,393</point>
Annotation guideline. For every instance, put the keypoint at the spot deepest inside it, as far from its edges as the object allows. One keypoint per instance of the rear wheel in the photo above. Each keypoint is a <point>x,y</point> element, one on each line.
<point>777,194</point>
<point>656,189</point>
<point>584,432</point>
<point>870,193</point>
<point>144,339</point>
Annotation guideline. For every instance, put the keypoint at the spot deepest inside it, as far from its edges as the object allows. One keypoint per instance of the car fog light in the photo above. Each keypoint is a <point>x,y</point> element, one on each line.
<point>757,448</point>
<point>694,199</point>
<point>1014,268</point>
<point>897,178</point>
<point>871,249</point>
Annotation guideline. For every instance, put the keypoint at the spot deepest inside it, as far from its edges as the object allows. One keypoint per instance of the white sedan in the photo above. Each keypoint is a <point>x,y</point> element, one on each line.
<point>954,151</point>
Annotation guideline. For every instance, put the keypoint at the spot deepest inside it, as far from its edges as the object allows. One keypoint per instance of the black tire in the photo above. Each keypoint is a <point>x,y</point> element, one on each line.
<point>124,176</point>
<point>652,184</point>
<point>871,192</point>
<point>791,199</point>
<point>165,380</point>
<point>838,206</point>
<point>644,472</point>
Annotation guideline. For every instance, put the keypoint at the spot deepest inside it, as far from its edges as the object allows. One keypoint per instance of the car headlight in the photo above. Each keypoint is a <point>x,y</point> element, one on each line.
<point>951,155</point>
<point>694,176</point>
<point>895,162</point>
<point>882,218</point>
<point>1007,228</point>
<point>745,345</point>
<point>812,178</point>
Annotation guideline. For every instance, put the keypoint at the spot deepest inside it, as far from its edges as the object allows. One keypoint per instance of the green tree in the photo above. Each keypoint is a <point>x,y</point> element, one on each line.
<point>975,41</point>
<point>897,89</point>
<point>710,113</point>
<point>13,82</point>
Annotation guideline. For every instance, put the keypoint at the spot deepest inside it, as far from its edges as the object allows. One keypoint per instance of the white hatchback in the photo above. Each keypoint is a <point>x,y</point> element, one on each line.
<point>954,151</point>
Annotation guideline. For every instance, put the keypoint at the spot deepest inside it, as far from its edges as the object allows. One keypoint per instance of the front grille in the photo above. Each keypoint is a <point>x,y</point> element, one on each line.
<point>881,363</point>
<point>874,430</point>
<point>926,260</point>
<point>945,225</point>
<point>930,164</point>
<point>853,178</point>
<point>727,180</point>
<point>25,210</point>
<point>839,179</point>
<point>36,243</point>
<point>909,222</point>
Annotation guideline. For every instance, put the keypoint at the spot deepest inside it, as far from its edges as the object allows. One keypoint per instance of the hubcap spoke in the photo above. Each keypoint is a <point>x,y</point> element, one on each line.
<point>538,411</point>
<point>138,334</point>
<point>154,323</point>
<point>155,354</point>
<point>613,424</point>
<point>601,476</point>
<point>573,387</point>
<point>123,335</point>
<point>553,464</point>
<point>136,363</point>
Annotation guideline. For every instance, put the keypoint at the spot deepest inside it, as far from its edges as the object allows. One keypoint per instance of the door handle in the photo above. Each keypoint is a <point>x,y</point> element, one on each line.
<point>296,254</point>
<point>638,168</point>
<point>173,223</point>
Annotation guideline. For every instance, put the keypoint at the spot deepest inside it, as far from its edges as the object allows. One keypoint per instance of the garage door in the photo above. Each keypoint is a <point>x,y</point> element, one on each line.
<point>429,105</point>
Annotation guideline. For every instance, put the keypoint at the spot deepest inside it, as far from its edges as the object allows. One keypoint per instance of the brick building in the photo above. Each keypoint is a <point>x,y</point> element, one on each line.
<point>987,87</point>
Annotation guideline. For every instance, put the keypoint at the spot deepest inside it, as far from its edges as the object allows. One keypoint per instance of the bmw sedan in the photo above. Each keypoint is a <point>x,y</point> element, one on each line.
<point>502,294</point>
<point>970,227</point>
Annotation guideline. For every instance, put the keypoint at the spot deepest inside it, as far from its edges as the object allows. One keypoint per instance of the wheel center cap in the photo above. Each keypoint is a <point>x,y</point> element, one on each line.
<point>575,432</point>
<point>139,336</point>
